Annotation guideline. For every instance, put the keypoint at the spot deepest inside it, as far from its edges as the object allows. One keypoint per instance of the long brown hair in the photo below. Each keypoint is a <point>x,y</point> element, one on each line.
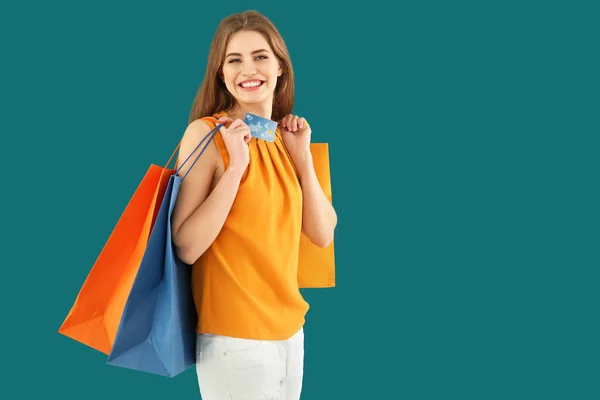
<point>213,96</point>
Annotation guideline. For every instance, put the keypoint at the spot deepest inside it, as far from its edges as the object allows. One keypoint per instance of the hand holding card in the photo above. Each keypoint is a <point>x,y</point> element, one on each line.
<point>236,138</point>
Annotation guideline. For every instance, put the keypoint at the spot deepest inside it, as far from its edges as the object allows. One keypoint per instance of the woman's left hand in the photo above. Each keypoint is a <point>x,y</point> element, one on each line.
<point>296,132</point>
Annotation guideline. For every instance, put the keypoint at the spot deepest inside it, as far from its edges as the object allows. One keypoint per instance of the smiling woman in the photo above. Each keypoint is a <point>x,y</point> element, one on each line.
<point>239,39</point>
<point>240,213</point>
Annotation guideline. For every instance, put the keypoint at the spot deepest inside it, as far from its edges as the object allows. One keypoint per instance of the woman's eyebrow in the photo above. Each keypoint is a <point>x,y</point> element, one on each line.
<point>254,52</point>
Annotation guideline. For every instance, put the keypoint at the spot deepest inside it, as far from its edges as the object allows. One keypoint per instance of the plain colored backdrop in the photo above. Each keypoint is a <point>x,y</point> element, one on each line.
<point>464,158</point>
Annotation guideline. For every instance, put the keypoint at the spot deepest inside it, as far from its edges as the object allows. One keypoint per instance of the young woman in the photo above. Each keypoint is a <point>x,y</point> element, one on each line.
<point>240,213</point>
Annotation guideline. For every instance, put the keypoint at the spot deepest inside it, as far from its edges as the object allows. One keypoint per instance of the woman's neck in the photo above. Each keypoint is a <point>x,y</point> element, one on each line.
<point>239,110</point>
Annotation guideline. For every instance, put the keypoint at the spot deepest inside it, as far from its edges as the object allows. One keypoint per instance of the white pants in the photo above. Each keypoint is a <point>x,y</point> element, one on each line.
<point>243,369</point>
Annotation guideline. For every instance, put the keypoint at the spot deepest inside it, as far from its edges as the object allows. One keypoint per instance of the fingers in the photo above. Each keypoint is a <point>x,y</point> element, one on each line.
<point>224,120</point>
<point>243,130</point>
<point>293,122</point>
<point>284,121</point>
<point>239,128</point>
<point>234,125</point>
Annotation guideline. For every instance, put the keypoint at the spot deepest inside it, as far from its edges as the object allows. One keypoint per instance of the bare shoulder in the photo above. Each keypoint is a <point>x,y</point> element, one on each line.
<point>196,186</point>
<point>194,133</point>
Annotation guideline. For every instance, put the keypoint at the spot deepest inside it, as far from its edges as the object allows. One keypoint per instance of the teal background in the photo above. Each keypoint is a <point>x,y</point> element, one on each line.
<point>464,158</point>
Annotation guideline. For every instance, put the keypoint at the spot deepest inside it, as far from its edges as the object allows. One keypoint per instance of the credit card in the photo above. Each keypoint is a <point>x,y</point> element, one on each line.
<point>261,128</point>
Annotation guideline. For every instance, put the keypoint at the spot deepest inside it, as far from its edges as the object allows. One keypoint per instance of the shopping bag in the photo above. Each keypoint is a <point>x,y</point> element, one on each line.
<point>157,329</point>
<point>95,315</point>
<point>316,265</point>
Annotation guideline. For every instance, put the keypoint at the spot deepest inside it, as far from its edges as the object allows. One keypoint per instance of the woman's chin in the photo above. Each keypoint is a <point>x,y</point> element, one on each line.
<point>253,98</point>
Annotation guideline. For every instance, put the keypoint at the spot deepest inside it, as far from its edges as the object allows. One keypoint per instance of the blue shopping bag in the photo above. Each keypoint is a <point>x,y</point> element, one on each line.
<point>157,332</point>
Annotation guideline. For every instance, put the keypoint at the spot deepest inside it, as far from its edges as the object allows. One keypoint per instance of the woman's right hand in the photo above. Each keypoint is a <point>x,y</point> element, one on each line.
<point>236,138</point>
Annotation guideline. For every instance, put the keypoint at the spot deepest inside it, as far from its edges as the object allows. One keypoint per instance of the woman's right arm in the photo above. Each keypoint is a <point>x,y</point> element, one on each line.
<point>197,216</point>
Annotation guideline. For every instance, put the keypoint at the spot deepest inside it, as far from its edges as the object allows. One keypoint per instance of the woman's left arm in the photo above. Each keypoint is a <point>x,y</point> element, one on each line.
<point>319,218</point>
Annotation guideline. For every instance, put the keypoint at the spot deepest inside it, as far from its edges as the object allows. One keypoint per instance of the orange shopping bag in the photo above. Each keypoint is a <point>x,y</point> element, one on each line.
<point>316,267</point>
<point>95,316</point>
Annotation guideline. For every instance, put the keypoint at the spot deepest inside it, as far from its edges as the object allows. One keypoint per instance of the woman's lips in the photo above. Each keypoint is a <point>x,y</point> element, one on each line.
<point>251,85</point>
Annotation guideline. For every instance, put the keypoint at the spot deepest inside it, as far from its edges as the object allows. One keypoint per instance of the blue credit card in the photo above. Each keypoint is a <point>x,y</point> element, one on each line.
<point>260,127</point>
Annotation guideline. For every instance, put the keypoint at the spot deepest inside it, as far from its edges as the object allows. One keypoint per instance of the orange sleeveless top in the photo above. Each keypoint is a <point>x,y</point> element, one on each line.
<point>246,283</point>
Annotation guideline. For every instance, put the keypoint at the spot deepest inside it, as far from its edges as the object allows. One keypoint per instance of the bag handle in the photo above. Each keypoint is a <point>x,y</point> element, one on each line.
<point>210,134</point>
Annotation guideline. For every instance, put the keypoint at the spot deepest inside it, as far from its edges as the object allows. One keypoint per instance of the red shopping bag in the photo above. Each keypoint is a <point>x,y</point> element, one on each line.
<point>96,313</point>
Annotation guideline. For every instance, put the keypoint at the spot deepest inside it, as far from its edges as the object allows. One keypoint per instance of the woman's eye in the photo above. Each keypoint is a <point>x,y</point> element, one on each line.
<point>236,60</point>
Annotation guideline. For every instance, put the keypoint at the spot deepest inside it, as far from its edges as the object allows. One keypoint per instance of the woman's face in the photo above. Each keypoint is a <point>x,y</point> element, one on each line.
<point>250,70</point>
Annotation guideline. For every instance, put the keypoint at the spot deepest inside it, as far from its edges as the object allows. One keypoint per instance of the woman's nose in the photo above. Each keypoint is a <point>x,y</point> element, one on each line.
<point>250,69</point>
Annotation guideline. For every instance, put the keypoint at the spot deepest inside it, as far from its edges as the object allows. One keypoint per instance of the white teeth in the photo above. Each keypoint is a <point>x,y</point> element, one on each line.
<point>251,84</point>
